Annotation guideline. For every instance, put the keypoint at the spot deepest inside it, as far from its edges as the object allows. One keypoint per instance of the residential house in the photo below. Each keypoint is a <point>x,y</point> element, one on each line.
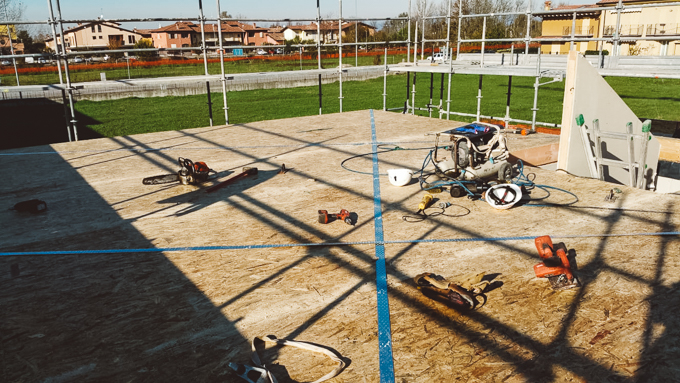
<point>648,22</point>
<point>660,26</point>
<point>96,35</point>
<point>181,34</point>
<point>559,25</point>
<point>231,35</point>
<point>5,40</point>
<point>253,35</point>
<point>329,31</point>
<point>275,35</point>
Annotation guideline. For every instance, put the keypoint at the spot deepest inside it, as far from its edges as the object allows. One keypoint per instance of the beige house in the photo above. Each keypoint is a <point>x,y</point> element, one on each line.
<point>649,22</point>
<point>559,25</point>
<point>98,35</point>
<point>660,26</point>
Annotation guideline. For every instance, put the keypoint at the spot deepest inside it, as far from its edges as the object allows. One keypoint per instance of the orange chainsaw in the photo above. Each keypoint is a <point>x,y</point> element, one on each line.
<point>555,265</point>
<point>190,173</point>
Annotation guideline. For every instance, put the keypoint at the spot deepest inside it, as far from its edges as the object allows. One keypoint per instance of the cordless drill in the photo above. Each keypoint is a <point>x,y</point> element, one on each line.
<point>344,215</point>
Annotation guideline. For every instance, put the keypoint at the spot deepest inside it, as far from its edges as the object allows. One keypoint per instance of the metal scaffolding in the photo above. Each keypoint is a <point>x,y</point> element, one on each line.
<point>420,36</point>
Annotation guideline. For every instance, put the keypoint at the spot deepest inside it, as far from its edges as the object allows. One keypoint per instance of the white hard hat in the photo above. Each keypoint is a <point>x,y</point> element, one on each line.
<point>399,177</point>
<point>503,196</point>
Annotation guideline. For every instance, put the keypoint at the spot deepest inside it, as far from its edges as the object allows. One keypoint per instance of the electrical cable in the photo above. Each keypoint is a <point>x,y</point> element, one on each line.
<point>396,147</point>
<point>421,216</point>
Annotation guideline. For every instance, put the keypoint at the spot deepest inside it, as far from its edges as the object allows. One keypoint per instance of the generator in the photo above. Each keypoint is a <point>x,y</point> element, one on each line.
<point>472,154</point>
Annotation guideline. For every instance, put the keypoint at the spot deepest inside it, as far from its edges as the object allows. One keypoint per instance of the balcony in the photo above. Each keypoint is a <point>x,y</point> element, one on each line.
<point>625,30</point>
<point>663,29</point>
<point>578,31</point>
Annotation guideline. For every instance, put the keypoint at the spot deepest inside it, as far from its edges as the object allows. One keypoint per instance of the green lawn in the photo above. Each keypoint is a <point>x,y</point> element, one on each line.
<point>22,126</point>
<point>138,115</point>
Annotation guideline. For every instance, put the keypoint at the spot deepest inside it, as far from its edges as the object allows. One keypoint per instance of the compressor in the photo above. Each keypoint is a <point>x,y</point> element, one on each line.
<point>471,155</point>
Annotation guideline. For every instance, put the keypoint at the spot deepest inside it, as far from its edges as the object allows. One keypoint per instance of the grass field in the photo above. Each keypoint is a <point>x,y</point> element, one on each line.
<point>35,122</point>
<point>139,115</point>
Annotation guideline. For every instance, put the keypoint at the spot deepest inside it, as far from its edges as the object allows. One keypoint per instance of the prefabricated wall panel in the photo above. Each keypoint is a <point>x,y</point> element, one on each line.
<point>587,93</point>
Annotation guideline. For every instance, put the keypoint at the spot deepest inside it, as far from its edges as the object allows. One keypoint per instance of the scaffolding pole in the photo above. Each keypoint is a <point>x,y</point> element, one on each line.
<point>340,53</point>
<point>205,59</point>
<point>69,88</point>
<point>223,78</point>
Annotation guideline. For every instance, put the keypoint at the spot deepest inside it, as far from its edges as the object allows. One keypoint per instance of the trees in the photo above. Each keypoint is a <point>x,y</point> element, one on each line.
<point>9,10</point>
<point>145,44</point>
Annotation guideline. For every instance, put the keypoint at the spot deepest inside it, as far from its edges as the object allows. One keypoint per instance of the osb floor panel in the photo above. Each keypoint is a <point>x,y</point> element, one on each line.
<point>184,315</point>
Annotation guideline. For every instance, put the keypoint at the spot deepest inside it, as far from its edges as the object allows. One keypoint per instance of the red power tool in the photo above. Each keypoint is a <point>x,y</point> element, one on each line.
<point>344,215</point>
<point>555,265</point>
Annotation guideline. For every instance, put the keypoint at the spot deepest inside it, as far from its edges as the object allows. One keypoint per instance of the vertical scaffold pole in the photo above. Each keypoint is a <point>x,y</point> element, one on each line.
<point>408,50</point>
<point>479,97</point>
<point>56,44</point>
<point>507,104</point>
<point>340,52</point>
<point>205,59</point>
<point>385,83</point>
<point>69,89</point>
<point>223,79</point>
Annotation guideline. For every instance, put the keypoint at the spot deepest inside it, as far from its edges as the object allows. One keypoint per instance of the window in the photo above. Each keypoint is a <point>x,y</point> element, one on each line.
<point>261,34</point>
<point>93,29</point>
<point>100,37</point>
<point>185,35</point>
<point>131,39</point>
<point>99,28</point>
<point>172,35</point>
<point>94,37</point>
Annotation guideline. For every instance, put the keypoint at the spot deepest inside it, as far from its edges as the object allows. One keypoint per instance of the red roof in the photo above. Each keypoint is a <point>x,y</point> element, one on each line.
<point>180,26</point>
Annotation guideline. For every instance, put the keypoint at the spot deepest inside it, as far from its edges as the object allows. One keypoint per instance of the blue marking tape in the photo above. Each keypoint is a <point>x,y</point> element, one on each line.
<point>384,326</point>
<point>270,246</point>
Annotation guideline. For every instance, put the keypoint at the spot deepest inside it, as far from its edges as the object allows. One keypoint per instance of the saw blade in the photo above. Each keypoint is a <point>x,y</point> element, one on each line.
<point>164,179</point>
<point>561,282</point>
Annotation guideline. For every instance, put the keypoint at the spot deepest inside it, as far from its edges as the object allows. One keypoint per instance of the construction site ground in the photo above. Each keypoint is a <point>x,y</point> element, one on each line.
<point>185,313</point>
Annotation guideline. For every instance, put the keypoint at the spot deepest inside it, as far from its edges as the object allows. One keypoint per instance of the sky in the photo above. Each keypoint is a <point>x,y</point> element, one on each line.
<point>268,9</point>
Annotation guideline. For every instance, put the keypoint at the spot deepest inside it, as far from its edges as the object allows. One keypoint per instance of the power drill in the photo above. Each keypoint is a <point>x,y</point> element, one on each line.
<point>344,215</point>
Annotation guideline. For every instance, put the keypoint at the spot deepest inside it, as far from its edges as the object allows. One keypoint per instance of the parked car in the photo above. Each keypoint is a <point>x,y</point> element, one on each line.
<point>77,60</point>
<point>261,52</point>
<point>5,62</point>
<point>279,51</point>
<point>41,60</point>
<point>437,57</point>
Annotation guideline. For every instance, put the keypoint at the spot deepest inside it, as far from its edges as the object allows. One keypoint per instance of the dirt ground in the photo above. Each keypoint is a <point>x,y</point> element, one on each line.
<point>185,314</point>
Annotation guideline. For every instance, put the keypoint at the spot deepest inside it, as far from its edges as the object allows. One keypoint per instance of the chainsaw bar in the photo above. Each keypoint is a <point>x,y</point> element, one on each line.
<point>164,179</point>
<point>561,282</point>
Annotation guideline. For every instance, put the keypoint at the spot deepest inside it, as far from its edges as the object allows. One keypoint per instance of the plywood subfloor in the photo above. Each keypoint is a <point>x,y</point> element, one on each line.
<point>184,315</point>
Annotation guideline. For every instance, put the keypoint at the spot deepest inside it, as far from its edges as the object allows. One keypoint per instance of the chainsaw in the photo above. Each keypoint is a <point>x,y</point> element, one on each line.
<point>191,173</point>
<point>555,265</point>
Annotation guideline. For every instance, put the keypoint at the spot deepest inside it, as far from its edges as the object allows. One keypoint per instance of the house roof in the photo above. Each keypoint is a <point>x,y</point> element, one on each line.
<point>180,26</point>
<point>109,24</point>
<point>568,11</point>
<point>277,36</point>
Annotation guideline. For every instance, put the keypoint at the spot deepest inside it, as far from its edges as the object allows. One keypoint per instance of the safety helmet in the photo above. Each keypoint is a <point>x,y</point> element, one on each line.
<point>399,177</point>
<point>503,196</point>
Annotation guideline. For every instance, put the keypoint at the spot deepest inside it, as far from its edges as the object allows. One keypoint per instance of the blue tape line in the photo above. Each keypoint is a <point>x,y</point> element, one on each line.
<point>270,246</point>
<point>384,326</point>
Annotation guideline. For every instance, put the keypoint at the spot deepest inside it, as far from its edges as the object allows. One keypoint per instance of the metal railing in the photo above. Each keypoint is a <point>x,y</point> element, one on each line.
<point>579,31</point>
<point>663,29</point>
<point>624,30</point>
